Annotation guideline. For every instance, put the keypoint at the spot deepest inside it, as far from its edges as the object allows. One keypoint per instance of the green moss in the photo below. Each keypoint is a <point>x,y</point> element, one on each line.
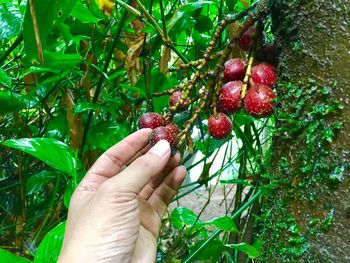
<point>308,121</point>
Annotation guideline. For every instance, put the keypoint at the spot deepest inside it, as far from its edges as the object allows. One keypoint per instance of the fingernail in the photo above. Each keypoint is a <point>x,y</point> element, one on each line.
<point>161,149</point>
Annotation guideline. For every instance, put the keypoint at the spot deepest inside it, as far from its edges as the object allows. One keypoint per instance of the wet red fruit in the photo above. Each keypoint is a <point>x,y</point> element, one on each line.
<point>167,133</point>
<point>176,97</point>
<point>173,128</point>
<point>258,101</point>
<point>234,69</point>
<point>219,125</point>
<point>151,120</point>
<point>230,97</point>
<point>263,74</point>
<point>246,39</point>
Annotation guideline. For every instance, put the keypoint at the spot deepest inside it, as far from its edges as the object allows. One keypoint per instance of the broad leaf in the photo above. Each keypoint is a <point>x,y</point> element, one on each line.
<point>10,102</point>
<point>83,14</point>
<point>48,14</point>
<point>223,223</point>
<point>61,61</point>
<point>52,152</point>
<point>211,252</point>
<point>36,182</point>
<point>10,21</point>
<point>251,251</point>
<point>182,216</point>
<point>105,134</point>
<point>49,249</point>
<point>7,257</point>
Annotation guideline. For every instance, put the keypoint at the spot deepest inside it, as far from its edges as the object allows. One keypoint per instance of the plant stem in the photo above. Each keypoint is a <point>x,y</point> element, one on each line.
<point>18,41</point>
<point>101,79</point>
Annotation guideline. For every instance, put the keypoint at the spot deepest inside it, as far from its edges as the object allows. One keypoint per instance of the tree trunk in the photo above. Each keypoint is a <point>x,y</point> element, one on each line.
<point>311,208</point>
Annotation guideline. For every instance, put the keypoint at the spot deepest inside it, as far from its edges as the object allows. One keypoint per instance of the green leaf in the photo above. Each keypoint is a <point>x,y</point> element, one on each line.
<point>7,257</point>
<point>223,223</point>
<point>10,102</point>
<point>182,216</point>
<point>61,61</point>
<point>81,12</point>
<point>251,251</point>
<point>52,152</point>
<point>211,252</point>
<point>203,24</point>
<point>10,20</point>
<point>37,182</point>
<point>49,249</point>
<point>48,14</point>
<point>5,79</point>
<point>182,17</point>
<point>105,134</point>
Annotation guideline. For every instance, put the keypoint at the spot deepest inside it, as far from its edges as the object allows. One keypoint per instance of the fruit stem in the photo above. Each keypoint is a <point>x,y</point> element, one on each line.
<point>248,73</point>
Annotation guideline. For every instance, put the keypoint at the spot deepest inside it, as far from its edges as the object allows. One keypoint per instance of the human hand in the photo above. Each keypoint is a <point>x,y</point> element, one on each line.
<point>115,213</point>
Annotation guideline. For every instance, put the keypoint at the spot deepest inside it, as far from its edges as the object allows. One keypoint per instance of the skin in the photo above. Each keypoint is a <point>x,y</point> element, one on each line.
<point>115,213</point>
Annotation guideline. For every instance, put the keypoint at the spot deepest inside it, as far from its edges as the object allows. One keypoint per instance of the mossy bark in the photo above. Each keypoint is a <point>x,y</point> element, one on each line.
<point>313,37</point>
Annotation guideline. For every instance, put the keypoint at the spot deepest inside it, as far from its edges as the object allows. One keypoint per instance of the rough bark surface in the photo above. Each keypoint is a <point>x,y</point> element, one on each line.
<point>313,37</point>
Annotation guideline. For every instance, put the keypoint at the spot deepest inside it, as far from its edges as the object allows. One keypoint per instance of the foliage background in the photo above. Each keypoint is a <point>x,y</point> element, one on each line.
<point>78,89</point>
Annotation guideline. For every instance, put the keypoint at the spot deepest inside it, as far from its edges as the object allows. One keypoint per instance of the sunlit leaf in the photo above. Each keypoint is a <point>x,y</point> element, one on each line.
<point>49,249</point>
<point>7,257</point>
<point>54,153</point>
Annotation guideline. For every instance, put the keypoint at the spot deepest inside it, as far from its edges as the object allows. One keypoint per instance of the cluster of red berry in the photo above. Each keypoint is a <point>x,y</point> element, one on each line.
<point>256,97</point>
<point>258,101</point>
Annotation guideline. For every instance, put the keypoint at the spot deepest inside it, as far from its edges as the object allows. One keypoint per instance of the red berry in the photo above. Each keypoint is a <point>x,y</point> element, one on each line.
<point>246,39</point>
<point>173,128</point>
<point>176,97</point>
<point>151,120</point>
<point>230,97</point>
<point>264,74</point>
<point>259,101</point>
<point>167,133</point>
<point>234,69</point>
<point>219,125</point>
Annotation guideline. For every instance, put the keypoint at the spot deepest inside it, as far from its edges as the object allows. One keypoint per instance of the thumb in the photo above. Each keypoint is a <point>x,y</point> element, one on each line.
<point>143,169</point>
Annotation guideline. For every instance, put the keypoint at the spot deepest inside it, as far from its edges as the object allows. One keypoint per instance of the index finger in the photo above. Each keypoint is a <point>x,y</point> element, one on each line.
<point>116,157</point>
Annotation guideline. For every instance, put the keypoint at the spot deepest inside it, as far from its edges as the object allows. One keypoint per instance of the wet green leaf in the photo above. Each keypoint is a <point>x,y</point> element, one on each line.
<point>182,216</point>
<point>52,152</point>
<point>10,20</point>
<point>49,249</point>
<point>36,182</point>
<point>105,134</point>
